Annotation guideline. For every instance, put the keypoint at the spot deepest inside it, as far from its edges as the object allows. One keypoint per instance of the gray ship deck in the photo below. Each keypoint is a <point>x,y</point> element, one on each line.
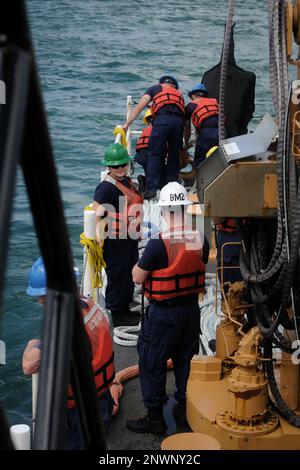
<point>131,407</point>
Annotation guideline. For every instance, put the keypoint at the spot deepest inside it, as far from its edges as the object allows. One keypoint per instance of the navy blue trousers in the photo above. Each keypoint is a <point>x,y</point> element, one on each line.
<point>166,138</point>
<point>74,435</point>
<point>231,255</point>
<point>142,159</point>
<point>167,333</point>
<point>120,257</point>
<point>207,137</point>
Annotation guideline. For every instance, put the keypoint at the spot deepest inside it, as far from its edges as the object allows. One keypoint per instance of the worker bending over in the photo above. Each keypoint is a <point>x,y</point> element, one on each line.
<point>167,134</point>
<point>204,114</point>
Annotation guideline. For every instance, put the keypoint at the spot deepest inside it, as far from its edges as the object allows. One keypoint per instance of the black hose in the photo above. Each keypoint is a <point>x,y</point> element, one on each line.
<point>223,74</point>
<point>279,404</point>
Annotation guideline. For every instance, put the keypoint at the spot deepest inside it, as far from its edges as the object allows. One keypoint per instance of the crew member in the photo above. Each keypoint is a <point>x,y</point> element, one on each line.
<point>167,133</point>
<point>204,114</point>
<point>97,329</point>
<point>228,232</point>
<point>118,203</point>
<point>142,148</point>
<point>142,144</point>
<point>172,269</point>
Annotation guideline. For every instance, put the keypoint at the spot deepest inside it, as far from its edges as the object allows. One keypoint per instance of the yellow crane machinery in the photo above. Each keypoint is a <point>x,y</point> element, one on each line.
<point>247,395</point>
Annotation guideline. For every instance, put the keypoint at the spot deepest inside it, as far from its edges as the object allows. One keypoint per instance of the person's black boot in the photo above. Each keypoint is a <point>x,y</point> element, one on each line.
<point>212,345</point>
<point>149,195</point>
<point>142,183</point>
<point>153,422</point>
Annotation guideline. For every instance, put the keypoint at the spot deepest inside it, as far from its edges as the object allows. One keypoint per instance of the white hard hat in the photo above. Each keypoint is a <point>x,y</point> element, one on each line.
<point>173,194</point>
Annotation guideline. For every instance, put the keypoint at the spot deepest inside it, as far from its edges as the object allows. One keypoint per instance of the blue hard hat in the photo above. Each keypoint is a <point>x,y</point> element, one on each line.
<point>37,279</point>
<point>169,79</point>
<point>198,88</point>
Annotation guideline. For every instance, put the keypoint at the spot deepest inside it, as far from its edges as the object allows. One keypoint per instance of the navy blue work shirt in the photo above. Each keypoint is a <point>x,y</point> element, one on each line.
<point>107,193</point>
<point>154,90</point>
<point>155,255</point>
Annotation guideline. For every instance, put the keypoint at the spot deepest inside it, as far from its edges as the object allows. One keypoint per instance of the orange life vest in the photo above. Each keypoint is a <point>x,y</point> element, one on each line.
<point>143,142</point>
<point>127,222</point>
<point>185,274</point>
<point>206,107</point>
<point>97,329</point>
<point>168,95</point>
<point>229,225</point>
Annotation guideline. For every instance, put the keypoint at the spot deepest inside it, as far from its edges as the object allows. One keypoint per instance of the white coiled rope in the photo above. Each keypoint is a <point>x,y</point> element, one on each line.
<point>128,335</point>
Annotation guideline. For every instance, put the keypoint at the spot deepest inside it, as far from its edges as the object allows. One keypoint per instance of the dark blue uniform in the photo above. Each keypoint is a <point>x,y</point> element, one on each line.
<point>231,255</point>
<point>207,135</point>
<point>119,255</point>
<point>74,435</point>
<point>170,329</point>
<point>141,158</point>
<point>166,138</point>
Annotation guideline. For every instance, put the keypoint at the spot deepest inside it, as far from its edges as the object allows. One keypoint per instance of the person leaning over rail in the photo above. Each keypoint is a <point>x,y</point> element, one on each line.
<point>167,134</point>
<point>172,270</point>
<point>118,207</point>
<point>204,114</point>
<point>101,352</point>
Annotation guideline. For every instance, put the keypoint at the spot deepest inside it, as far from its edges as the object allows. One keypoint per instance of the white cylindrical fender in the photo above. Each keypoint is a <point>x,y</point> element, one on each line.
<point>128,134</point>
<point>89,224</point>
<point>35,386</point>
<point>89,229</point>
<point>20,436</point>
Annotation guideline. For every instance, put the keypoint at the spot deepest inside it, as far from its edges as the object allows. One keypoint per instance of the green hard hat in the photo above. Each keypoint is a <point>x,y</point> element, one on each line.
<point>115,154</point>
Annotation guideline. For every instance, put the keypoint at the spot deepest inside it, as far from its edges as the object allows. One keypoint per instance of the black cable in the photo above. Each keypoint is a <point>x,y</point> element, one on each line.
<point>279,403</point>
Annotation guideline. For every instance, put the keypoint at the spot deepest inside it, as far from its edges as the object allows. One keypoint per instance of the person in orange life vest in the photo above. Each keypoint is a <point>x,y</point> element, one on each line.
<point>142,144</point>
<point>117,202</point>
<point>172,270</point>
<point>227,232</point>
<point>142,148</point>
<point>204,114</point>
<point>101,352</point>
<point>167,132</point>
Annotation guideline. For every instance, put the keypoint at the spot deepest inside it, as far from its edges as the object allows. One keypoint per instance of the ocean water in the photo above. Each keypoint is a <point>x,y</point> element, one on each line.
<point>91,54</point>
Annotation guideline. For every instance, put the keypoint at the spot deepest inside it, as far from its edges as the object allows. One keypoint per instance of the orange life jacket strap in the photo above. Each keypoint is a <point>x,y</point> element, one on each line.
<point>206,107</point>
<point>143,142</point>
<point>107,380</point>
<point>176,278</point>
<point>167,97</point>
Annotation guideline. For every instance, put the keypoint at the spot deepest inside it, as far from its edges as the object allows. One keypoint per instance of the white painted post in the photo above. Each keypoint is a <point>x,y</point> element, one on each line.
<point>20,436</point>
<point>128,135</point>
<point>89,228</point>
<point>35,386</point>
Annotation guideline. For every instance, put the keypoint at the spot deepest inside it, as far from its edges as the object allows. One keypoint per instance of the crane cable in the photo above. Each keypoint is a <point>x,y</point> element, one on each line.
<point>224,66</point>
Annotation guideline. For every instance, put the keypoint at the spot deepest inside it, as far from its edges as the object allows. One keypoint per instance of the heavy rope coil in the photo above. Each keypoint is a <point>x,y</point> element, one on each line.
<point>95,260</point>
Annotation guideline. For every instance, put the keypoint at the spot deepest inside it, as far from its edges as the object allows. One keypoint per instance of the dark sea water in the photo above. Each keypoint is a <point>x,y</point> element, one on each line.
<point>91,54</point>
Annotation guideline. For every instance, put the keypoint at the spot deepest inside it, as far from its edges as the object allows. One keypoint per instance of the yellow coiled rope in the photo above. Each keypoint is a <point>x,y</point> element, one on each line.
<point>119,130</point>
<point>94,252</point>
